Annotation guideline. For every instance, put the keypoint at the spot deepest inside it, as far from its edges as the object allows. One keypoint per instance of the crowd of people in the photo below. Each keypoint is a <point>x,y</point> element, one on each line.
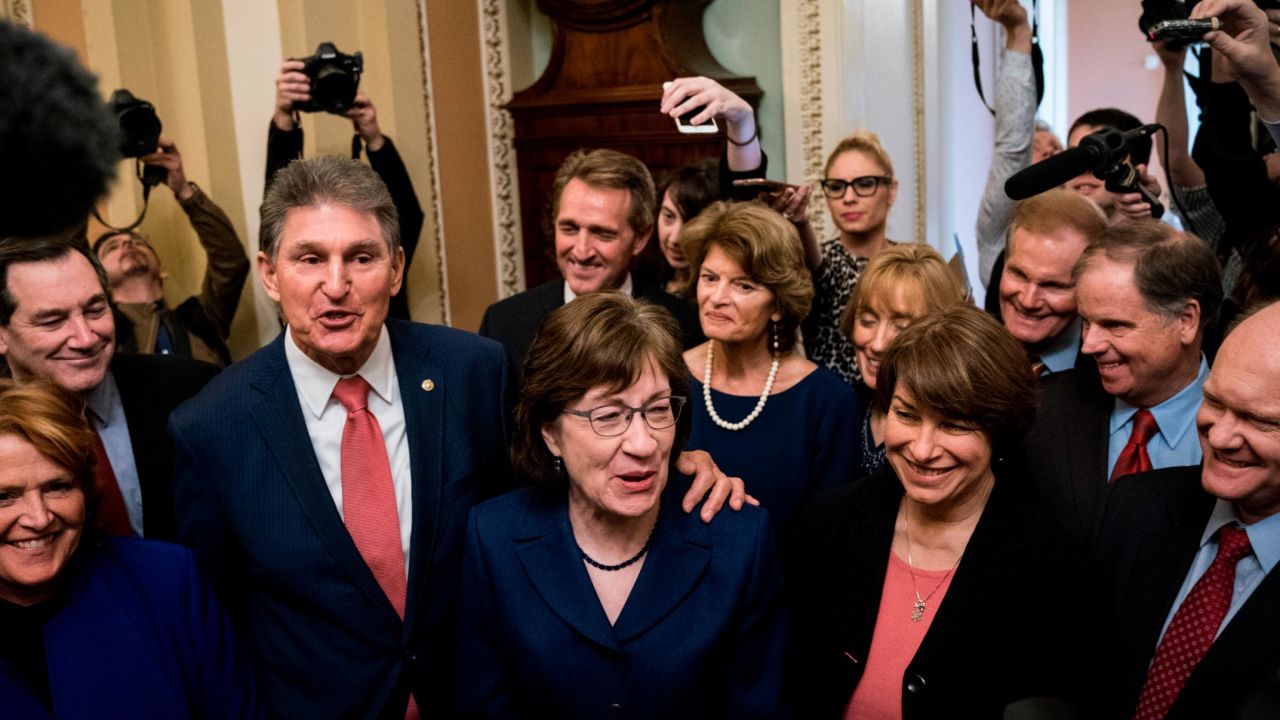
<point>720,468</point>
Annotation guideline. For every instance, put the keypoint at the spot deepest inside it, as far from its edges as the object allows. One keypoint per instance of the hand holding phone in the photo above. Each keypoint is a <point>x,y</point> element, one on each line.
<point>685,124</point>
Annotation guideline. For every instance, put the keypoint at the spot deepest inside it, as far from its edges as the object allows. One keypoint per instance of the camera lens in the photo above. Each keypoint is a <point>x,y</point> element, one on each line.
<point>334,89</point>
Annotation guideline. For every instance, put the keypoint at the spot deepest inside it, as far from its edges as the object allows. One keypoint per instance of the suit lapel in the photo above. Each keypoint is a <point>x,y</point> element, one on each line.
<point>678,558</point>
<point>278,415</point>
<point>424,427</point>
<point>1087,427</point>
<point>545,546</point>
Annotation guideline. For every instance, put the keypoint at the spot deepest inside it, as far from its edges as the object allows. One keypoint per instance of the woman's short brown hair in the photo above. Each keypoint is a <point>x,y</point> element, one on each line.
<point>767,248</point>
<point>600,339</point>
<point>53,421</point>
<point>915,267</point>
<point>960,363</point>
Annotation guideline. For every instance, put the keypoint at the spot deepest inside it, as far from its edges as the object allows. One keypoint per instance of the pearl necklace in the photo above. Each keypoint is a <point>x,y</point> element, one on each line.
<point>755,413</point>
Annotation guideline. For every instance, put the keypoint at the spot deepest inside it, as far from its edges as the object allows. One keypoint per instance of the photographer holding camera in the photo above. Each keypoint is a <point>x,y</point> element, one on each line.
<point>284,141</point>
<point>200,325</point>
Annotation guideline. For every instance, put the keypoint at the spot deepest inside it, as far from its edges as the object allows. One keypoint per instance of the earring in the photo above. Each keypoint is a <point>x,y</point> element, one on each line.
<point>773,330</point>
<point>557,466</point>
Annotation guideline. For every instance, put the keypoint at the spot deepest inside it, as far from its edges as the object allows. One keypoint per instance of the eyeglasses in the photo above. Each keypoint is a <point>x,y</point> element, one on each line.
<point>864,186</point>
<point>613,420</point>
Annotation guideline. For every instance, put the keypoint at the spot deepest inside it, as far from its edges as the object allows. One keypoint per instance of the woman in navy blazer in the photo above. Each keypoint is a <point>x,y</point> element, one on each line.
<point>591,594</point>
<point>96,628</point>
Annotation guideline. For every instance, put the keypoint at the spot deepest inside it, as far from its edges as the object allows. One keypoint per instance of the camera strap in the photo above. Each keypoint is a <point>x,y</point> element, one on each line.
<point>1037,56</point>
<point>148,181</point>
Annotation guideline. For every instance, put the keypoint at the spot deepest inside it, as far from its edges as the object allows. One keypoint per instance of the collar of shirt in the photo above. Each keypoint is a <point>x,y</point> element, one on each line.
<point>1061,354</point>
<point>1264,535</point>
<point>316,382</point>
<point>1175,416</point>
<point>626,289</point>
<point>103,398</point>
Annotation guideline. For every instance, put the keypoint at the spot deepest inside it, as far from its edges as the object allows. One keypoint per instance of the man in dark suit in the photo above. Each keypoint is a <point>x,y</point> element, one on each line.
<point>1047,235</point>
<point>1191,551</point>
<point>1145,293</point>
<point>603,203</point>
<point>56,323</point>
<point>332,524</point>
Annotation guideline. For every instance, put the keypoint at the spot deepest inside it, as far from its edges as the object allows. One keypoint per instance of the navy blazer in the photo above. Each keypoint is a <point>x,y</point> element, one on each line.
<point>141,636</point>
<point>701,635</point>
<point>1148,538</point>
<point>253,504</point>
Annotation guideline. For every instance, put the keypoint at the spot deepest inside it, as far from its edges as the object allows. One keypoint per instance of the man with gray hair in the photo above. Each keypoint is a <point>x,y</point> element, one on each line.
<point>1145,293</point>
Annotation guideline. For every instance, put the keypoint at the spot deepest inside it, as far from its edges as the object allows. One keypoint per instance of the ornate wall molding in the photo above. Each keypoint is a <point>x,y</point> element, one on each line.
<point>434,211</point>
<point>503,181</point>
<point>920,153</point>
<point>813,142</point>
<point>18,12</point>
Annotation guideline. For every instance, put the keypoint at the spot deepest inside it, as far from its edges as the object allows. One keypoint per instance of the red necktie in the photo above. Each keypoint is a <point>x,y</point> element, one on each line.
<point>368,497</point>
<point>1193,627</point>
<point>112,516</point>
<point>1133,458</point>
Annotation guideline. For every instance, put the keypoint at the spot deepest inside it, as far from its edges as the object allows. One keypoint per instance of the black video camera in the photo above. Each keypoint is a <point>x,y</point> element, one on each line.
<point>138,124</point>
<point>334,80</point>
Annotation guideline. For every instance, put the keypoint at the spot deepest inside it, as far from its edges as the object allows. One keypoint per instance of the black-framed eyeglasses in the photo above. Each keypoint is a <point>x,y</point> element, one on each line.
<point>864,186</point>
<point>613,420</point>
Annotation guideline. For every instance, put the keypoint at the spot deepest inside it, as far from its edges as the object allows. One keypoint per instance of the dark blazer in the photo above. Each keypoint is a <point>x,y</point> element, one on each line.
<point>1149,536</point>
<point>1016,622</point>
<point>140,636</point>
<point>701,635</point>
<point>514,322</point>
<point>151,386</point>
<point>254,505</point>
<point>1068,448</point>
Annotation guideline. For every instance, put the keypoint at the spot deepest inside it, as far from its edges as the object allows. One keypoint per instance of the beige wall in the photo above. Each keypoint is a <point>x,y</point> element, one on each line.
<point>1105,56</point>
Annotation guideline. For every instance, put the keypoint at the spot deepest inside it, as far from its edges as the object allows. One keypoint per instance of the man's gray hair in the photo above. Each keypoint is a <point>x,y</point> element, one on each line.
<point>326,179</point>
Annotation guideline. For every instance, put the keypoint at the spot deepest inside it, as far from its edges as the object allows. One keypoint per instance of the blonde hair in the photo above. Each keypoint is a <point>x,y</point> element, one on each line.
<point>863,141</point>
<point>915,266</point>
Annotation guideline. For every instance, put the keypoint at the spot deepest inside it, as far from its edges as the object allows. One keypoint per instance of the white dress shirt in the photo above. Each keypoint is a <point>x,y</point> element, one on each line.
<point>326,418</point>
<point>107,413</point>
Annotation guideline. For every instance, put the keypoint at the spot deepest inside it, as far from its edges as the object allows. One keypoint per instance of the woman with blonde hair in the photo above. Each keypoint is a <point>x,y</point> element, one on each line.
<point>860,188</point>
<point>765,413</point>
<point>901,284</point>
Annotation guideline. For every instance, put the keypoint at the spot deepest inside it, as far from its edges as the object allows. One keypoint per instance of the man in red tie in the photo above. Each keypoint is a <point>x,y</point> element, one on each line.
<point>1144,292</point>
<point>325,481</point>
<point>56,324</point>
<point>1191,550</point>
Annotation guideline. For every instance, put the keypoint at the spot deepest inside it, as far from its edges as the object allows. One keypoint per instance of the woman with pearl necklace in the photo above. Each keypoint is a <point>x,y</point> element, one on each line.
<point>768,415</point>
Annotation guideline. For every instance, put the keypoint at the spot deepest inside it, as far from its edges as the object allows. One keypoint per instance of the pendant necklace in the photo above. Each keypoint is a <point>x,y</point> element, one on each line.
<point>764,396</point>
<point>918,607</point>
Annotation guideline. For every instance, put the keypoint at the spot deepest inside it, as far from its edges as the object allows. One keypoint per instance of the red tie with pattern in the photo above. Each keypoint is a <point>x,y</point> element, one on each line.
<point>1133,458</point>
<point>1193,627</point>
<point>112,515</point>
<point>368,497</point>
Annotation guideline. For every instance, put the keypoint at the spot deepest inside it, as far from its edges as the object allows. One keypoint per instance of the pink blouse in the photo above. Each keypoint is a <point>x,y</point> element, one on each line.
<point>895,639</point>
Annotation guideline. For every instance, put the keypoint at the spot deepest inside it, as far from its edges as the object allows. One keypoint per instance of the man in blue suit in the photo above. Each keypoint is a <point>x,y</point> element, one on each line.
<point>333,526</point>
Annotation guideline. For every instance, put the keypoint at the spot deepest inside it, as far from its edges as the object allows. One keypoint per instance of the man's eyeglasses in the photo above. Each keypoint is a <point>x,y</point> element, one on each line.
<point>864,186</point>
<point>613,420</point>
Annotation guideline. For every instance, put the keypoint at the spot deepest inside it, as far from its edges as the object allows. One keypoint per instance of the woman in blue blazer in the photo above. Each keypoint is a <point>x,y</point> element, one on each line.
<point>591,594</point>
<point>95,628</point>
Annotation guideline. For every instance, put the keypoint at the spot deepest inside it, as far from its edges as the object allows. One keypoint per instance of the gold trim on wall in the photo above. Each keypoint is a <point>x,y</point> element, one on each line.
<point>18,12</point>
<point>433,209</point>
<point>503,181</point>
<point>917,111</point>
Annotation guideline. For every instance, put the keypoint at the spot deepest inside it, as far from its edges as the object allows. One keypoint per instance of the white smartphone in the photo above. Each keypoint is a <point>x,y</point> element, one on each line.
<point>685,125</point>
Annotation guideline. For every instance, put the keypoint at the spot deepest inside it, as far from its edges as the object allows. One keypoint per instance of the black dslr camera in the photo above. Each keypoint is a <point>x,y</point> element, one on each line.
<point>138,124</point>
<point>334,80</point>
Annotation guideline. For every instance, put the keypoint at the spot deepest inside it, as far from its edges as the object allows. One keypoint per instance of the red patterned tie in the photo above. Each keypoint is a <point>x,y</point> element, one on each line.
<point>1133,458</point>
<point>112,515</point>
<point>368,497</point>
<point>1193,627</point>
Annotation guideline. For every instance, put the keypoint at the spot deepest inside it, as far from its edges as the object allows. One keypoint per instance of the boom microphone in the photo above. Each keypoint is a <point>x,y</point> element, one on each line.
<point>1095,152</point>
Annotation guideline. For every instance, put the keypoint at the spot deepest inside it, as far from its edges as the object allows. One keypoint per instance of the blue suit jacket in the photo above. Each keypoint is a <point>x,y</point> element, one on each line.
<point>701,636</point>
<point>253,504</point>
<point>141,636</point>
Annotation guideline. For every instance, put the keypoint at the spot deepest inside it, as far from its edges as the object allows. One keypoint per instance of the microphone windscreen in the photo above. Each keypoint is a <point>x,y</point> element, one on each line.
<point>1051,172</point>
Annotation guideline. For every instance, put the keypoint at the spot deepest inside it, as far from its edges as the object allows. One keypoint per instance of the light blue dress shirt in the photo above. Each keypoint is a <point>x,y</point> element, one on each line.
<point>108,419</point>
<point>1176,444</point>
<point>1061,354</point>
<point>1264,536</point>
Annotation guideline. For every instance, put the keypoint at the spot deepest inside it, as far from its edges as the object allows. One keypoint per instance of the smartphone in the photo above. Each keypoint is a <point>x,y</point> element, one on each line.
<point>763,184</point>
<point>684,123</point>
<point>1186,31</point>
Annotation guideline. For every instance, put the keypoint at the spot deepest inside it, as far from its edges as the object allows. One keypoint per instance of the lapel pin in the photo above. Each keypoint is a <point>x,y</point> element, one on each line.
<point>428,385</point>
